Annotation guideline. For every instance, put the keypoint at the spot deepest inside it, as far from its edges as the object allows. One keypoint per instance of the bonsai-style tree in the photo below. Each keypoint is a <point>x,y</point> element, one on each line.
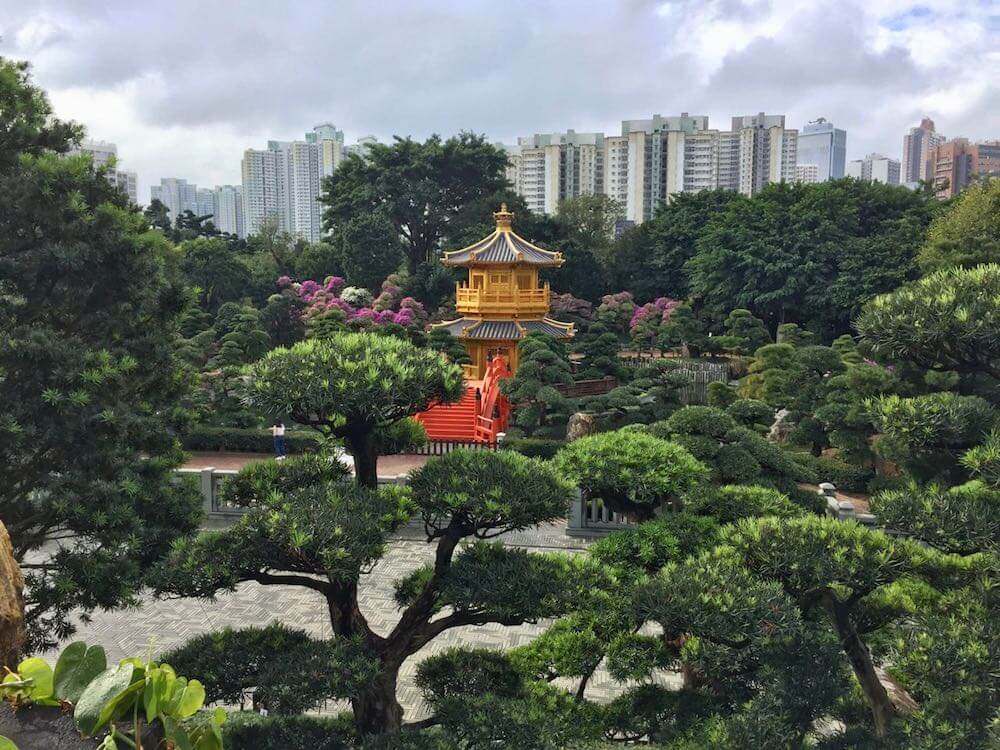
<point>440,339</point>
<point>926,435</point>
<point>324,536</point>
<point>746,332</point>
<point>839,569</point>
<point>600,348</point>
<point>353,387</point>
<point>542,365</point>
<point>631,472</point>
<point>684,332</point>
<point>946,321</point>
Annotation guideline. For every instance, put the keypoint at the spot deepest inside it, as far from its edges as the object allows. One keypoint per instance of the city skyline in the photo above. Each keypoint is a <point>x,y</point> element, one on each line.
<point>187,100</point>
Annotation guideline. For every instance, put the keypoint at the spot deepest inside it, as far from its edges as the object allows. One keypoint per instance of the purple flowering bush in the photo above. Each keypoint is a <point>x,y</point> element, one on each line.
<point>359,311</point>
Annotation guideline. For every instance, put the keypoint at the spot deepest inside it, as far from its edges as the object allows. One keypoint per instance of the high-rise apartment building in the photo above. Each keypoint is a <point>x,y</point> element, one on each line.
<point>651,161</point>
<point>822,144</point>
<point>954,164</point>
<point>807,174</point>
<point>917,145</point>
<point>768,151</point>
<point>102,153</point>
<point>875,168</point>
<point>285,181</point>
<point>547,168</point>
<point>205,202</point>
<point>177,194</point>
<point>229,210</point>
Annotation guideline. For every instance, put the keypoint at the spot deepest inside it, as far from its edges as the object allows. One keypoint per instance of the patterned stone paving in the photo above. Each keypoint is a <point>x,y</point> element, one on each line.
<point>161,625</point>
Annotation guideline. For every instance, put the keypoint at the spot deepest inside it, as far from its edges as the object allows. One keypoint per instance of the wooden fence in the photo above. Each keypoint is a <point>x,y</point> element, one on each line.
<point>443,447</point>
<point>582,388</point>
<point>700,372</point>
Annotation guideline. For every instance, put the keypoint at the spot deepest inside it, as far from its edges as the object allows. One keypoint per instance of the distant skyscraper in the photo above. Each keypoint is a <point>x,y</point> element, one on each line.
<point>101,153</point>
<point>917,145</point>
<point>285,181</point>
<point>177,194</point>
<point>876,168</point>
<point>822,144</point>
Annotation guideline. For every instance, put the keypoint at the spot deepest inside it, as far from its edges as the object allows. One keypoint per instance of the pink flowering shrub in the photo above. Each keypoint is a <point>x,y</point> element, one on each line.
<point>353,305</point>
<point>615,311</point>
<point>657,311</point>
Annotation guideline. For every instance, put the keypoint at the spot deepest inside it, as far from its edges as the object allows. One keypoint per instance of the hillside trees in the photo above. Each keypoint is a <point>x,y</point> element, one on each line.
<point>967,233</point>
<point>90,301</point>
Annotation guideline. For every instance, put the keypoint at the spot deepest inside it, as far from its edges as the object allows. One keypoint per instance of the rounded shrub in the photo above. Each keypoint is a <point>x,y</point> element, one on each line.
<point>732,503</point>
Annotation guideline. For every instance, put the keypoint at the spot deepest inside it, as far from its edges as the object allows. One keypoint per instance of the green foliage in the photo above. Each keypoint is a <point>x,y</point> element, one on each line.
<point>926,434</point>
<point>733,453</point>
<point>542,364</point>
<point>251,731</point>
<point>440,339</point>
<point>945,321</point>
<point>967,233</point>
<point>353,386</point>
<point>648,547</point>
<point>90,301</point>
<point>749,412</point>
<point>862,240</point>
<point>843,475</point>
<point>488,492</point>
<point>684,332</point>
<point>247,440</point>
<point>468,672</point>
<point>534,447</point>
<point>600,347</point>
<point>747,332</point>
<point>733,503</point>
<point>983,461</point>
<point>371,251</point>
<point>131,690</point>
<point>633,473</point>
<point>720,395</point>
<point>287,671</point>
<point>963,519</point>
<point>844,412</point>
<point>421,188</point>
<point>216,270</point>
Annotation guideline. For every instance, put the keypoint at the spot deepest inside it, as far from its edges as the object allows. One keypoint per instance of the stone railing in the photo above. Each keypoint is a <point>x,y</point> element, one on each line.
<point>843,509</point>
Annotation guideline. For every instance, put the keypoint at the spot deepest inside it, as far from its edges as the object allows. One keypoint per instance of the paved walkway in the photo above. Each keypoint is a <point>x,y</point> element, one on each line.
<point>388,466</point>
<point>162,625</point>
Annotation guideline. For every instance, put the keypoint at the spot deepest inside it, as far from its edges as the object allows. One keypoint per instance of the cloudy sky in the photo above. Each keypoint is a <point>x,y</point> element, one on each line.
<point>183,87</point>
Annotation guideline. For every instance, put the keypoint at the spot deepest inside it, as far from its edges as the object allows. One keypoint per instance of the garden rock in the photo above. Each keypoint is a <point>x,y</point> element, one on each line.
<point>11,603</point>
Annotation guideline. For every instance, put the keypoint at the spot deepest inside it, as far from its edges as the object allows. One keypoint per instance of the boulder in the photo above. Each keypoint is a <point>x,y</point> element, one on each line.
<point>580,425</point>
<point>11,603</point>
<point>782,427</point>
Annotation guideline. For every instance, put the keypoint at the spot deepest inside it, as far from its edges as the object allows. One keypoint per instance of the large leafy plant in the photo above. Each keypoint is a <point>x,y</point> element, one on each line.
<point>120,702</point>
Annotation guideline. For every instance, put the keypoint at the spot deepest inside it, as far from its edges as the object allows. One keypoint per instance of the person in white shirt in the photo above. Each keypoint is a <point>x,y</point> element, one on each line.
<point>278,431</point>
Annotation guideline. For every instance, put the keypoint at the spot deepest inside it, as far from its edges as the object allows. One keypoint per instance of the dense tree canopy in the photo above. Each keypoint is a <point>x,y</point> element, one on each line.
<point>421,187</point>
<point>89,383</point>
<point>966,234</point>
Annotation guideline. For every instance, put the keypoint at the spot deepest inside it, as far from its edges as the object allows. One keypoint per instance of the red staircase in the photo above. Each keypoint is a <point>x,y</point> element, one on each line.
<point>478,416</point>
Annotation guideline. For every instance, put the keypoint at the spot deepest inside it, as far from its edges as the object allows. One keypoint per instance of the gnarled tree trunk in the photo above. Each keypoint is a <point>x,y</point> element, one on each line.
<point>857,652</point>
<point>377,711</point>
<point>11,603</point>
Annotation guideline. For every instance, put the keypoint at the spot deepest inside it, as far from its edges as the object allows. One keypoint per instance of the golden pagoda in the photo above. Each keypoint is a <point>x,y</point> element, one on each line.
<point>503,299</point>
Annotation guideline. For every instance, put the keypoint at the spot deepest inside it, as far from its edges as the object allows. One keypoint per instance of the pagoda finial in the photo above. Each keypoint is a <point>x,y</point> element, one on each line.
<point>503,218</point>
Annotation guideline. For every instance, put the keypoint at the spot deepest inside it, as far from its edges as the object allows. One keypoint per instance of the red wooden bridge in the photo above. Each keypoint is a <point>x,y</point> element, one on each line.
<point>478,416</point>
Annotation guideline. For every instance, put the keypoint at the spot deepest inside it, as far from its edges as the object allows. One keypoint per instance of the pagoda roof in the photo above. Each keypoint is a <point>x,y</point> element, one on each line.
<point>503,247</point>
<point>507,329</point>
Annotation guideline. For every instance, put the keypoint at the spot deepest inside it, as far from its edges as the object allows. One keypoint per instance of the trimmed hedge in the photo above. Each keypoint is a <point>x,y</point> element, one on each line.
<point>248,440</point>
<point>535,447</point>
<point>250,731</point>
<point>843,475</point>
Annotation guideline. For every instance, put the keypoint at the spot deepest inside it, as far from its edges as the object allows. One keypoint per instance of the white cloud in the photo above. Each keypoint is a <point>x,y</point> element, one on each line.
<point>184,87</point>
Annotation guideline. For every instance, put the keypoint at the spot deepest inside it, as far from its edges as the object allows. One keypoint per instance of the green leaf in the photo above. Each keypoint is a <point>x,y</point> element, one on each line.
<point>6,744</point>
<point>174,732</point>
<point>78,665</point>
<point>40,673</point>
<point>192,698</point>
<point>101,697</point>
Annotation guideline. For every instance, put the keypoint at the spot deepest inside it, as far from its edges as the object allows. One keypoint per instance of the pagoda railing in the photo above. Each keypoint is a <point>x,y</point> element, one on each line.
<point>468,299</point>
